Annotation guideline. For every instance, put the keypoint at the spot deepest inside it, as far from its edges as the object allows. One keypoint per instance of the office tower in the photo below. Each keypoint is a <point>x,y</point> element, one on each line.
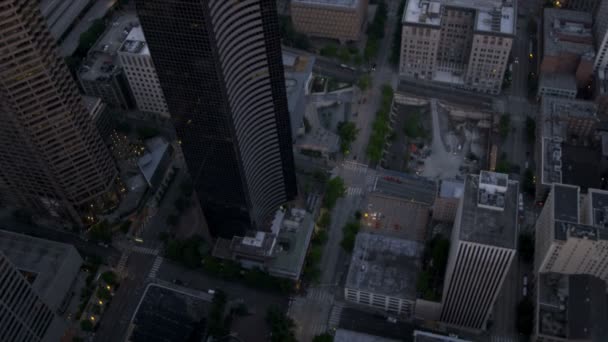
<point>52,158</point>
<point>138,67</point>
<point>572,234</point>
<point>581,5</point>
<point>220,68</point>
<point>23,315</point>
<point>461,42</point>
<point>342,20</point>
<point>600,33</point>
<point>482,249</point>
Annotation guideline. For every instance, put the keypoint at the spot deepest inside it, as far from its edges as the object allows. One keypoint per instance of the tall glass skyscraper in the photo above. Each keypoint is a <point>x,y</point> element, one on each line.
<point>219,63</point>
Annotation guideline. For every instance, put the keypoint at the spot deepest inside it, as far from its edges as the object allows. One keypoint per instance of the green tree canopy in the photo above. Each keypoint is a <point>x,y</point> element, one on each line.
<point>335,190</point>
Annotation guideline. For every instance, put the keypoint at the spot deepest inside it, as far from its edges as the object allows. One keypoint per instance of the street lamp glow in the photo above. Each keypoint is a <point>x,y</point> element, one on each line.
<point>92,318</point>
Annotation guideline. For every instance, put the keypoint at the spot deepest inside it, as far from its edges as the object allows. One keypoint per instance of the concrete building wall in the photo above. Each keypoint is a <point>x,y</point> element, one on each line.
<point>454,46</point>
<point>399,306</point>
<point>444,209</point>
<point>562,63</point>
<point>581,5</point>
<point>419,46</point>
<point>144,83</point>
<point>329,21</point>
<point>584,72</point>
<point>600,33</point>
<point>543,234</point>
<point>488,62</point>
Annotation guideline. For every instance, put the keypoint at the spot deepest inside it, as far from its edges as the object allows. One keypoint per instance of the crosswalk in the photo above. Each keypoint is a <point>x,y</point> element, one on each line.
<point>145,250</point>
<point>335,315</point>
<point>320,294</point>
<point>157,262</point>
<point>354,191</point>
<point>355,167</point>
<point>311,202</point>
<point>370,181</point>
<point>122,264</point>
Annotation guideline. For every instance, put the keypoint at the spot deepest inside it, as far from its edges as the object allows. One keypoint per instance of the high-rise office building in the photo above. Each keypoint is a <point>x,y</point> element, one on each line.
<point>220,68</point>
<point>23,314</point>
<point>462,42</point>
<point>482,249</point>
<point>52,158</point>
<point>600,34</point>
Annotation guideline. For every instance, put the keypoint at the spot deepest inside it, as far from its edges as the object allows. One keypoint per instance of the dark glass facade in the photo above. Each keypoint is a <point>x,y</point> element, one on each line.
<point>220,67</point>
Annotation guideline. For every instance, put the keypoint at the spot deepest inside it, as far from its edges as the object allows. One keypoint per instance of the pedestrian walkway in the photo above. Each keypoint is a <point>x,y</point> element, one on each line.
<point>157,262</point>
<point>336,314</point>
<point>370,181</point>
<point>320,294</point>
<point>354,191</point>
<point>145,250</point>
<point>355,167</point>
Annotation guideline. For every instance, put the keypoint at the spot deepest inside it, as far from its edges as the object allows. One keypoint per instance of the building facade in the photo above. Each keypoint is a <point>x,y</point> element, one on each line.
<point>220,69</point>
<point>481,251</point>
<point>464,43</point>
<point>600,33</point>
<point>143,81</point>
<point>61,15</point>
<point>337,19</point>
<point>25,317</point>
<point>53,161</point>
<point>571,234</point>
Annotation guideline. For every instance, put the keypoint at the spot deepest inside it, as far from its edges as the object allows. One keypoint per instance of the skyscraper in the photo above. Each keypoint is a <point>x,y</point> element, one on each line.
<point>220,67</point>
<point>482,249</point>
<point>52,158</point>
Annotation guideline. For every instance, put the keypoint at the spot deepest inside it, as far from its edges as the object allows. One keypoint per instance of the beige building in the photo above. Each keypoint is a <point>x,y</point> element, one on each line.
<point>337,19</point>
<point>447,201</point>
<point>138,67</point>
<point>572,232</point>
<point>462,42</point>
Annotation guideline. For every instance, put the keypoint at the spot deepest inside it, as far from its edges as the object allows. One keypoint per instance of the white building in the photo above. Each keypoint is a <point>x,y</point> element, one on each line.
<point>572,234</point>
<point>483,245</point>
<point>138,66</point>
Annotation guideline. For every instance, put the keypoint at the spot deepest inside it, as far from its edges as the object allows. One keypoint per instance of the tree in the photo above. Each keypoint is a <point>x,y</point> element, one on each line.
<point>344,55</point>
<point>104,294</point>
<point>101,231</point>
<point>326,337</point>
<point>86,325</point>
<point>348,132</point>
<point>89,37</point>
<point>281,326</point>
<point>526,247</point>
<point>124,227</point>
<point>371,49</point>
<point>109,277</point>
<point>335,190</point>
<point>364,82</point>
<point>528,183</point>
<point>504,125</point>
<point>330,50</point>
<point>349,236</point>
<point>324,220</point>
<point>530,129</point>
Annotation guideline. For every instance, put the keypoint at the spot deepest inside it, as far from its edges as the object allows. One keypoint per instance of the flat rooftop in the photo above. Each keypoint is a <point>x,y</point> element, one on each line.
<point>451,188</point>
<point>598,210</point>
<point>166,314</point>
<point>405,186</point>
<point>558,80</point>
<point>567,214</point>
<point>292,244</point>
<point>572,307</point>
<point>566,202</point>
<point>396,217</point>
<point>329,3</point>
<point>492,16</point>
<point>135,43</point>
<point>385,265</point>
<point>298,70</point>
<point>567,31</point>
<point>102,60</point>
<point>486,223</point>
<point>50,266</point>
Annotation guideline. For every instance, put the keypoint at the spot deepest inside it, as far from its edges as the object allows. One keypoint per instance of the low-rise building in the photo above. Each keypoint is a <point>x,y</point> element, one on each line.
<point>399,205</point>
<point>281,251</point>
<point>383,273</point>
<point>50,267</point>
<point>101,74</point>
<point>572,232</point>
<point>139,68</point>
<point>570,308</point>
<point>337,19</point>
<point>558,85</point>
<point>448,198</point>
<point>298,73</point>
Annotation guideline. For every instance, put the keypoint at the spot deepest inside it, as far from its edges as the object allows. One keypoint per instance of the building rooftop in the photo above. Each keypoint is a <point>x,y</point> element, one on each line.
<point>572,307</point>
<point>558,80</point>
<point>598,210</point>
<point>101,61</point>
<point>156,150</point>
<point>135,43</point>
<point>566,202</point>
<point>581,166</point>
<point>50,266</point>
<point>385,265</point>
<point>168,314</point>
<point>342,335</point>
<point>329,3</point>
<point>451,188</point>
<point>292,244</point>
<point>298,71</point>
<point>405,186</point>
<point>492,16</point>
<point>567,31</point>
<point>396,217</point>
<point>489,212</point>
